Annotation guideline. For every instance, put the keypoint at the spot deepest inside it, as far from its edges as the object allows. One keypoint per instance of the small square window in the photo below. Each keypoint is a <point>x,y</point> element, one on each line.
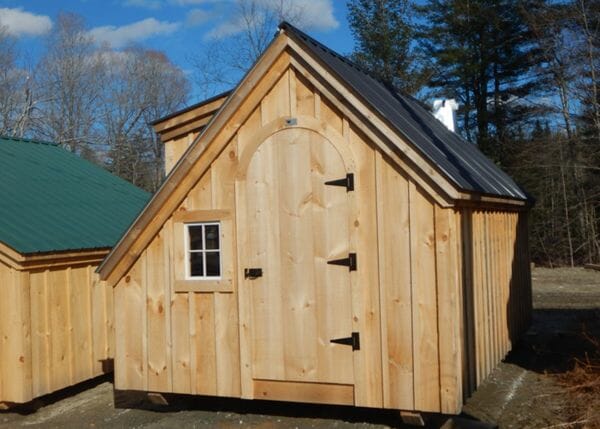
<point>203,251</point>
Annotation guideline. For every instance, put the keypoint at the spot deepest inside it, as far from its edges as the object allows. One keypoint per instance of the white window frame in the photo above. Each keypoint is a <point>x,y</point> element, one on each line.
<point>189,251</point>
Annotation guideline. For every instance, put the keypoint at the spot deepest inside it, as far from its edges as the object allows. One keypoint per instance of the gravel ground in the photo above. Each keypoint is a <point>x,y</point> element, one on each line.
<point>520,393</point>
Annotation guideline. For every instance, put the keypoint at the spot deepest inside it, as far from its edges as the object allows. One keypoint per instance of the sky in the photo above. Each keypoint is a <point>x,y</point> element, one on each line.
<point>180,28</point>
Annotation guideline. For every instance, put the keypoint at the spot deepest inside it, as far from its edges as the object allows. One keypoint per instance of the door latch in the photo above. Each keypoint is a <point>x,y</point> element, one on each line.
<point>253,273</point>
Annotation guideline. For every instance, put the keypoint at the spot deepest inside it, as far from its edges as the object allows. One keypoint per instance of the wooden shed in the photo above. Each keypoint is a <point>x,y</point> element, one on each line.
<point>321,239</point>
<point>59,217</point>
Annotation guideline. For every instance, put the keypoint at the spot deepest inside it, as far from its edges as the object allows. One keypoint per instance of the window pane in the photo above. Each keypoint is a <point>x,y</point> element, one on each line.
<point>196,265</point>
<point>212,236</point>
<point>195,232</point>
<point>213,268</point>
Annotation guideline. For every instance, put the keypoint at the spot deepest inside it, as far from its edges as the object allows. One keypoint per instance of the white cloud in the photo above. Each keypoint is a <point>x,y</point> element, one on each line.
<point>197,17</point>
<point>146,4</point>
<point>316,15</point>
<point>307,14</point>
<point>21,23</point>
<point>120,36</point>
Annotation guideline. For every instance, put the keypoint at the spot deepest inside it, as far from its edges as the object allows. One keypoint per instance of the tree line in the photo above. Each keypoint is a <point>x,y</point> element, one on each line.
<point>524,72</point>
<point>526,76</point>
<point>94,101</point>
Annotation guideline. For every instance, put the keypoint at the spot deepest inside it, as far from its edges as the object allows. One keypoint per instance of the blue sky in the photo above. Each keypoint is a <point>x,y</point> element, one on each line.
<point>178,27</point>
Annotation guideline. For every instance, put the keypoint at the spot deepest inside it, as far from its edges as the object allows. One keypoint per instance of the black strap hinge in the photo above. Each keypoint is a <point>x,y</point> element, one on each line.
<point>349,262</point>
<point>353,341</point>
<point>347,182</point>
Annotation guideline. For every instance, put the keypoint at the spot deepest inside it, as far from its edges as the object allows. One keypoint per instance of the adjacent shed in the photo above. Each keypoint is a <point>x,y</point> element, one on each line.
<point>322,239</point>
<point>59,217</point>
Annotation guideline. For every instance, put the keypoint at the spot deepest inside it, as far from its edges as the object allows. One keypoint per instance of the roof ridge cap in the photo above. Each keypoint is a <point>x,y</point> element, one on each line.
<point>26,140</point>
<point>286,25</point>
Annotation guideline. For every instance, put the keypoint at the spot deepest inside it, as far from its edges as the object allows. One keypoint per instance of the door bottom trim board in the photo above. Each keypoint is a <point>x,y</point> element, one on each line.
<point>314,393</point>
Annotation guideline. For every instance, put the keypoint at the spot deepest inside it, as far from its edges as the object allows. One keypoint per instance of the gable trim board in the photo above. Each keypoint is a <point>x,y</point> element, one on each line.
<point>287,48</point>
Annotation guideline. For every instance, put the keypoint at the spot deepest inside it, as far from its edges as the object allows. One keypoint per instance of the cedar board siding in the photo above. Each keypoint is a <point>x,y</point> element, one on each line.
<point>175,148</point>
<point>55,329</point>
<point>422,281</point>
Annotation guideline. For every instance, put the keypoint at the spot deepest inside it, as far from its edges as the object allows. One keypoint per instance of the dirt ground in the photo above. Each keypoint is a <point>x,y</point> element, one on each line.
<point>522,392</point>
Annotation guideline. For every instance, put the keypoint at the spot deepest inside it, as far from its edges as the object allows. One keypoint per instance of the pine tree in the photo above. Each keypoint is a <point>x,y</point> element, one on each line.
<point>482,53</point>
<point>384,35</point>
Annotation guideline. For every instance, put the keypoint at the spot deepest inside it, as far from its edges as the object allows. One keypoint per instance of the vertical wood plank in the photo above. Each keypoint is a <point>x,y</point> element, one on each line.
<point>180,337</point>
<point>81,320</point>
<point>477,292</point>
<point>365,304</point>
<point>60,328</point>
<point>40,333</point>
<point>226,330</point>
<point>99,326</point>
<point>109,322</point>
<point>507,259</point>
<point>293,174</point>
<point>394,275</point>
<point>485,313</point>
<point>305,97</point>
<point>469,314</point>
<point>169,277</point>
<point>244,293</point>
<point>331,116</point>
<point>277,101</point>
<point>330,240</point>
<point>293,92</point>
<point>15,343</point>
<point>263,232</point>
<point>424,293</point>
<point>129,329</point>
<point>449,310</point>
<point>155,315</point>
<point>204,342</point>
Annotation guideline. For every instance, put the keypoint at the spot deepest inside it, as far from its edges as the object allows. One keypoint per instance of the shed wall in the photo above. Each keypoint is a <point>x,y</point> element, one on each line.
<point>497,283</point>
<point>56,330</point>
<point>182,342</point>
<point>421,297</point>
<point>408,300</point>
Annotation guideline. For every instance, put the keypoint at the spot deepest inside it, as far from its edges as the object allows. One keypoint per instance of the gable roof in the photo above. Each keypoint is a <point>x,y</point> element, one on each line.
<point>267,70</point>
<point>53,200</point>
<point>459,160</point>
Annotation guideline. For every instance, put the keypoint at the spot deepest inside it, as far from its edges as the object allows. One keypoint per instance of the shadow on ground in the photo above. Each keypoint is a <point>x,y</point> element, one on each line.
<point>556,339</point>
<point>523,391</point>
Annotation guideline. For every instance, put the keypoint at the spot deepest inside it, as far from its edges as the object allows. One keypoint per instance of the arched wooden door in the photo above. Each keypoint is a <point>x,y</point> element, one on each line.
<point>294,226</point>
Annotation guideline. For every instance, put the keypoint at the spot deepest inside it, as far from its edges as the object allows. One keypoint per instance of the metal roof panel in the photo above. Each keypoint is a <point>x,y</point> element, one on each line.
<point>52,200</point>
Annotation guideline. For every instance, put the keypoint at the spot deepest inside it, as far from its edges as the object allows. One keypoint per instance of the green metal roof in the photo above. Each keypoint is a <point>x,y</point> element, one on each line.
<point>51,200</point>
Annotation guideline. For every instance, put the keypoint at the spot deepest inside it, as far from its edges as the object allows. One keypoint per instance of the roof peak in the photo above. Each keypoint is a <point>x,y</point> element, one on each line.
<point>284,25</point>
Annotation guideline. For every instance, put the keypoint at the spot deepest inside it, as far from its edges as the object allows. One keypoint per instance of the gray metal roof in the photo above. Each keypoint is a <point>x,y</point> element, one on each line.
<point>460,161</point>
